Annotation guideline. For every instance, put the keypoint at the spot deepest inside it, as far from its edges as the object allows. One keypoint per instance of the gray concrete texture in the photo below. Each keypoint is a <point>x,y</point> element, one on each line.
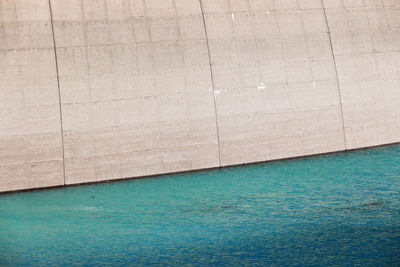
<point>96,90</point>
<point>30,136</point>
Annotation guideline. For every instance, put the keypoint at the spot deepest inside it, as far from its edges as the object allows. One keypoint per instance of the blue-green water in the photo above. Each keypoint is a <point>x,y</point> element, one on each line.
<point>338,209</point>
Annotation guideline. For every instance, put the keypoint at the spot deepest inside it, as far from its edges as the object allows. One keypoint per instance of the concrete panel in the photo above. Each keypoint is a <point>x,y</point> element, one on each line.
<point>274,76</point>
<point>366,43</point>
<point>136,88</point>
<point>30,135</point>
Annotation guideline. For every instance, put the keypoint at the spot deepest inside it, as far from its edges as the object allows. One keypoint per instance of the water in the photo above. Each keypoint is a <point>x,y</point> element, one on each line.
<point>339,209</point>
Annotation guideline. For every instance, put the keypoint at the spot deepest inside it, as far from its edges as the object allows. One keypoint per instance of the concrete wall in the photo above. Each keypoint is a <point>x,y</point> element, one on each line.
<point>273,67</point>
<point>136,92</point>
<point>103,89</point>
<point>366,43</point>
<point>30,136</point>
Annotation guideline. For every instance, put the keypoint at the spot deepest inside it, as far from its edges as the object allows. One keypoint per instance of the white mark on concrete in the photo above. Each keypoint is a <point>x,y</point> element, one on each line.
<point>314,84</point>
<point>233,17</point>
<point>217,92</point>
<point>261,87</point>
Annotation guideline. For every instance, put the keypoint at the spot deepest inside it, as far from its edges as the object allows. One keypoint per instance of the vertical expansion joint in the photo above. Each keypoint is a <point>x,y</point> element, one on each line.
<point>336,73</point>
<point>59,91</point>
<point>212,80</point>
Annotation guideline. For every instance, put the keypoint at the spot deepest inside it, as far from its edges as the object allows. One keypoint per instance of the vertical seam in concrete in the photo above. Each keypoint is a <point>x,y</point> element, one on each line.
<point>336,73</point>
<point>59,91</point>
<point>212,80</point>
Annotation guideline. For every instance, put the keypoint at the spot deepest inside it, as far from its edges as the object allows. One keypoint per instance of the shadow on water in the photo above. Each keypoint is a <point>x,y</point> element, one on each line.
<point>378,203</point>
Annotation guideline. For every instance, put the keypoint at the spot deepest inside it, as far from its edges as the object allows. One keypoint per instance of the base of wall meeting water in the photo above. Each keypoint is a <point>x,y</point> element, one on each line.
<point>100,92</point>
<point>191,171</point>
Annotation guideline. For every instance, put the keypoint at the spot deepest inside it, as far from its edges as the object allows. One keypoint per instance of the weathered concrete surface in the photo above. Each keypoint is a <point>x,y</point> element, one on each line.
<point>274,71</point>
<point>366,43</point>
<point>30,135</point>
<point>135,87</point>
<point>149,87</point>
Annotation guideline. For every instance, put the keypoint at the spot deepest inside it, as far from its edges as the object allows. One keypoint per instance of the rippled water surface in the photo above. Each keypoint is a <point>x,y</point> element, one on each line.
<point>338,209</point>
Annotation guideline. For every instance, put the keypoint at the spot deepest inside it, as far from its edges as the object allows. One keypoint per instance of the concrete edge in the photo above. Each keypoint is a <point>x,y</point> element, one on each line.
<point>193,171</point>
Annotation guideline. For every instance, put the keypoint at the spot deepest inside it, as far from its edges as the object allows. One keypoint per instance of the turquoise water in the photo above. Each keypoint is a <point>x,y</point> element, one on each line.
<point>338,209</point>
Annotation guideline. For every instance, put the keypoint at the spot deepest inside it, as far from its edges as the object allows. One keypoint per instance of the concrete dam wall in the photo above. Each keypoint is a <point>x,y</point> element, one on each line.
<point>94,90</point>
